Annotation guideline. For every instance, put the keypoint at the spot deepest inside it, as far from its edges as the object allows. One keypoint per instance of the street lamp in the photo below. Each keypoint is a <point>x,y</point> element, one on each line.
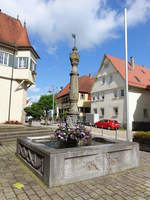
<point>53,92</point>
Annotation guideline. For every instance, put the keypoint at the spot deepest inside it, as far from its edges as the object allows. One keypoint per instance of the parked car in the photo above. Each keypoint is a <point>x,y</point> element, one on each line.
<point>107,124</point>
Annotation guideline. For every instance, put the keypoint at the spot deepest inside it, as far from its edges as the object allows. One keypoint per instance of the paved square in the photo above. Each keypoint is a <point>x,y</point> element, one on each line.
<point>129,185</point>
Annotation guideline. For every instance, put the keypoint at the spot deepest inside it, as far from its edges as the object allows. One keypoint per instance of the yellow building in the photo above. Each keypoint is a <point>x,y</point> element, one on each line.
<point>84,99</point>
<point>17,68</point>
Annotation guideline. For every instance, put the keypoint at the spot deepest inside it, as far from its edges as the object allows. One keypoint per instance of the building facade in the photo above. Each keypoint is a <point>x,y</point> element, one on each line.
<point>84,99</point>
<point>17,68</point>
<point>108,92</point>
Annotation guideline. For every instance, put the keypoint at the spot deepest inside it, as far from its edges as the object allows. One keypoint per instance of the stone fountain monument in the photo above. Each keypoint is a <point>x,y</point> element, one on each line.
<point>58,166</point>
<point>72,117</point>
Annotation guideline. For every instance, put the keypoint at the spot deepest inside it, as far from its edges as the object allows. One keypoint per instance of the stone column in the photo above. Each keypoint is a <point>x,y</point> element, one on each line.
<point>73,93</point>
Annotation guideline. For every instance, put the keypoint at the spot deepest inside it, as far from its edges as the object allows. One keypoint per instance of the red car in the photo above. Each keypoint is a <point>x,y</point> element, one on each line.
<point>107,124</point>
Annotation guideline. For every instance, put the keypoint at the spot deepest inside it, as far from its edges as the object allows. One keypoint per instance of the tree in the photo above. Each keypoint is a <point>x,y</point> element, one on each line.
<point>41,108</point>
<point>35,111</point>
<point>46,103</point>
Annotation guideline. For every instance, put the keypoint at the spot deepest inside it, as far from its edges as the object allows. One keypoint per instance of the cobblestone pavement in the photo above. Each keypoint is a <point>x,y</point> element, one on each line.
<point>130,184</point>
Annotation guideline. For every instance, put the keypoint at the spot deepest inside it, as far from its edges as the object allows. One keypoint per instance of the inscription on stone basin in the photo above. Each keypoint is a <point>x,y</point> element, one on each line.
<point>33,159</point>
<point>83,165</point>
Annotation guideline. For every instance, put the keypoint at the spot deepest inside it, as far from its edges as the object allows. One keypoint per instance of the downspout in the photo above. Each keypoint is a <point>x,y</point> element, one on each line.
<point>11,83</point>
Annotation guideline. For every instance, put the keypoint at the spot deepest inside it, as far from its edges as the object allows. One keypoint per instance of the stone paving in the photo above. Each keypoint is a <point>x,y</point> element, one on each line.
<point>128,185</point>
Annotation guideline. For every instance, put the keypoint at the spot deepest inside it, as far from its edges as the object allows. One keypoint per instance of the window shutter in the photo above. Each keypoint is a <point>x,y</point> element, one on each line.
<point>11,60</point>
<point>15,62</point>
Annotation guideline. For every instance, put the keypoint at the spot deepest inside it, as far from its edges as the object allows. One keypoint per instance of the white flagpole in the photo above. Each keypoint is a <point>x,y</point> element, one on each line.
<point>126,67</point>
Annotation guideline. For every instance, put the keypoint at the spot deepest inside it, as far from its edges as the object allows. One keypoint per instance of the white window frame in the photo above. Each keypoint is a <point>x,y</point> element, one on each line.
<point>18,62</point>
<point>3,58</point>
<point>33,68</point>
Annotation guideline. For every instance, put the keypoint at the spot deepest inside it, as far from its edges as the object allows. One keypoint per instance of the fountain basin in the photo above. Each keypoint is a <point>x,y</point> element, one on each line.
<point>57,166</point>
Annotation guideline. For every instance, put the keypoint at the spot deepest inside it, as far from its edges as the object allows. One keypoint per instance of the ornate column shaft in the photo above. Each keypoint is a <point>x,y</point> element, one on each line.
<point>74,93</point>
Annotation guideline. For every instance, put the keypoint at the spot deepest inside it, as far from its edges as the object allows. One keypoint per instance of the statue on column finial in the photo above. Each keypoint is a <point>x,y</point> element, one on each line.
<point>74,37</point>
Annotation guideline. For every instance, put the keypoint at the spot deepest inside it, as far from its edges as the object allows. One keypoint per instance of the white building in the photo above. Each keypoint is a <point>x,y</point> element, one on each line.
<point>108,92</point>
<point>17,68</point>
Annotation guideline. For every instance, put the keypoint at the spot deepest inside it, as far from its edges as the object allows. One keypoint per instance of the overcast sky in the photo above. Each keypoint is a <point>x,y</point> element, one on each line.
<point>98,25</point>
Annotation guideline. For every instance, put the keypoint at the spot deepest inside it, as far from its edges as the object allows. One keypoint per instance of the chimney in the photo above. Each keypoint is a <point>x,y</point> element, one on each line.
<point>132,62</point>
<point>24,24</point>
<point>90,75</point>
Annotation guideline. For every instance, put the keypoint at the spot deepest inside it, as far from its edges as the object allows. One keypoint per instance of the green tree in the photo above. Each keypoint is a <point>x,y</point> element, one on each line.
<point>41,108</point>
<point>35,111</point>
<point>46,103</point>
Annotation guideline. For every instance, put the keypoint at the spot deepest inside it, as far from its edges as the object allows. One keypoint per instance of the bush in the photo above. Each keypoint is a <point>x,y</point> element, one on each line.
<point>142,137</point>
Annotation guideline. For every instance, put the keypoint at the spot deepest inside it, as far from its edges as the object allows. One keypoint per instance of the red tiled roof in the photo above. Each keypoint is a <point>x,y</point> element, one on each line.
<point>142,73</point>
<point>85,85</point>
<point>12,31</point>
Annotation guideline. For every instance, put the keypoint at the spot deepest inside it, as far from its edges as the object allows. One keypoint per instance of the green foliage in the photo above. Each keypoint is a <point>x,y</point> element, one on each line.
<point>34,110</point>
<point>142,135</point>
<point>41,108</point>
<point>46,102</point>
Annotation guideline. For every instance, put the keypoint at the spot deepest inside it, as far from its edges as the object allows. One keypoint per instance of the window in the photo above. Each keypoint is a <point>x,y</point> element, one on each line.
<point>1,57</point>
<point>122,92</point>
<point>4,58</point>
<point>101,112</point>
<point>102,96</point>
<point>115,93</point>
<point>110,79</point>
<point>81,109</point>
<point>145,113</point>
<point>82,96</point>
<point>87,110</point>
<point>95,110</point>
<point>22,62</point>
<point>103,80</point>
<point>137,78</point>
<point>32,65</point>
<point>115,109</point>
